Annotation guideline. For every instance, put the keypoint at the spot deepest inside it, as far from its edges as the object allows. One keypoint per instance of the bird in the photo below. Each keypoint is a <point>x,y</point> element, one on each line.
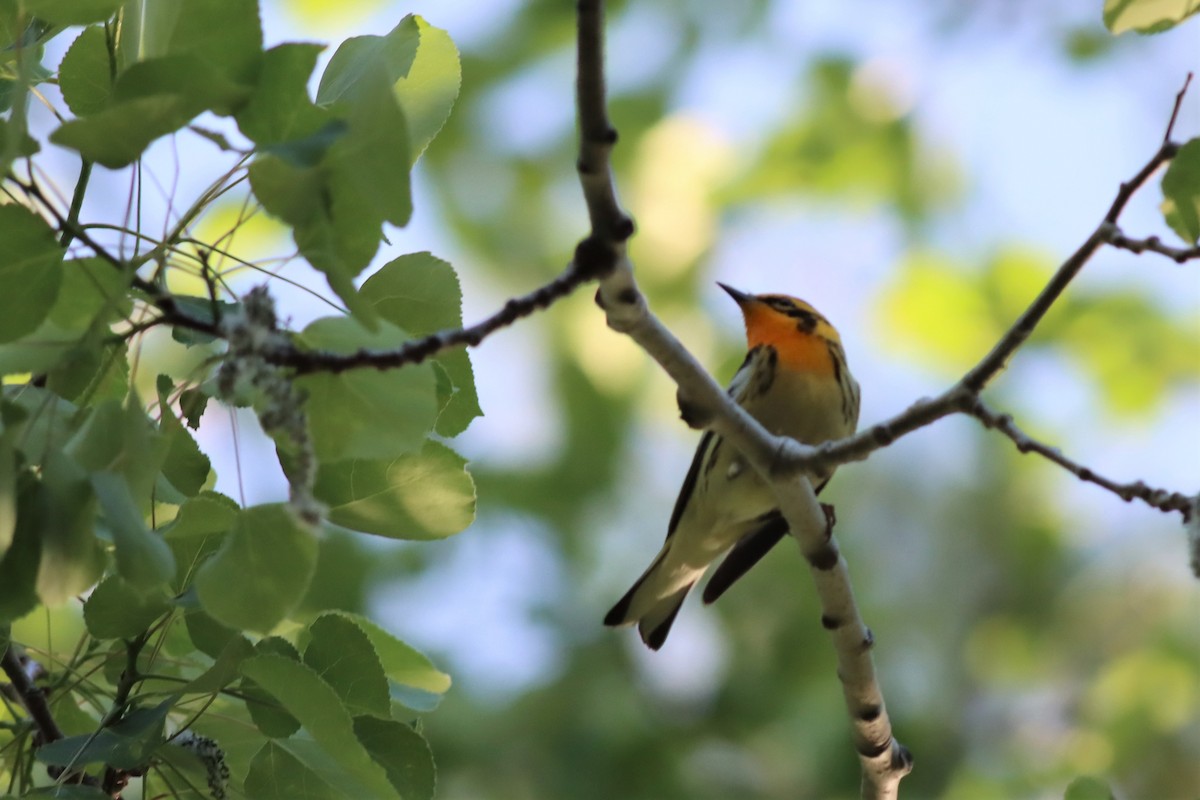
<point>795,382</point>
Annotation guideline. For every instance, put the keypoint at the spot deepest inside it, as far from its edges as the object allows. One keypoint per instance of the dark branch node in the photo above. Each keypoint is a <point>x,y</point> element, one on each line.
<point>901,758</point>
<point>870,713</point>
<point>868,640</point>
<point>624,228</point>
<point>830,623</point>
<point>824,559</point>
<point>873,750</point>
<point>595,258</point>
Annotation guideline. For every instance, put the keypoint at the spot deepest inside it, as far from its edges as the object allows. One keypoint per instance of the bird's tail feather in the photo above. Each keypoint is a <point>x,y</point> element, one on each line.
<point>656,623</point>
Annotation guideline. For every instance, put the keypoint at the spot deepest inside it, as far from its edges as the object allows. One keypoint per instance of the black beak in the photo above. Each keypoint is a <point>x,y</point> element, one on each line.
<point>741,297</point>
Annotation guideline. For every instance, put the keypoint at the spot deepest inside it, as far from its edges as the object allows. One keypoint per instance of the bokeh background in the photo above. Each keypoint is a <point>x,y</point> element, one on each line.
<point>916,170</point>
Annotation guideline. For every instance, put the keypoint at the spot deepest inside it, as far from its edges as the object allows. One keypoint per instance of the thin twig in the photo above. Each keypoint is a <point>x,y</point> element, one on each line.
<point>418,350</point>
<point>1152,244</point>
<point>1138,490</point>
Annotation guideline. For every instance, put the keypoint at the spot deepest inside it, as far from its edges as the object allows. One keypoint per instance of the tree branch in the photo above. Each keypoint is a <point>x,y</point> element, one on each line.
<point>1151,243</point>
<point>30,694</point>
<point>418,350</point>
<point>603,253</point>
<point>1004,423</point>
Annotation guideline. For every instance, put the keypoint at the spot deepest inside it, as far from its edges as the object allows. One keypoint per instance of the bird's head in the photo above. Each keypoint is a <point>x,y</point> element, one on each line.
<point>797,331</point>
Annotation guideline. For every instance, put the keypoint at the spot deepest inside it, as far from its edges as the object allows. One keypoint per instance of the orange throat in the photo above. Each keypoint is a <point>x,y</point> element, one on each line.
<point>798,350</point>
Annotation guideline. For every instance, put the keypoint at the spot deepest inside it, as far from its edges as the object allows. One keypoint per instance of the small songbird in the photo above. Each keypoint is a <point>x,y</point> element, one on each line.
<point>796,383</point>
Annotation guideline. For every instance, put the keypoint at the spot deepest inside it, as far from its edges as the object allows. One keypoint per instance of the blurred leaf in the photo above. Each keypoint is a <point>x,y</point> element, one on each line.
<point>19,565</point>
<point>143,558</point>
<point>303,694</point>
<point>224,34</point>
<point>32,260</point>
<point>203,515</point>
<point>1181,192</point>
<point>118,135</point>
<point>69,792</point>
<point>91,288</point>
<point>1147,16</point>
<point>1088,788</point>
<point>72,559</point>
<point>128,744</point>
<point>72,12</point>
<point>421,63</point>
<point>403,752</point>
<point>116,610</point>
<point>192,403</point>
<point>936,312</point>
<point>261,571</point>
<point>421,496</point>
<point>421,294</point>
<point>8,491</point>
<point>118,436</point>
<point>84,73</point>
<point>280,109</point>
<point>366,413</point>
<point>342,655</point>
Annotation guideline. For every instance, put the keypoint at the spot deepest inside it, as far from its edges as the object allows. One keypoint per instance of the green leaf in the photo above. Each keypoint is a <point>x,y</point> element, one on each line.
<point>275,774</point>
<point>143,558</point>
<point>366,413</point>
<point>84,75</point>
<point>225,670</point>
<point>31,259</point>
<point>261,571</point>
<point>342,655</point>
<point>72,558</point>
<point>428,89</point>
<point>19,565</point>
<point>1181,192</point>
<point>1147,16</point>
<point>1087,787</point>
<point>72,12</point>
<point>280,110</point>
<point>128,744</point>
<point>403,752</point>
<point>119,437</point>
<point>421,294</point>
<point>206,514</point>
<point>69,792</point>
<point>91,288</point>
<point>116,610</point>
<point>423,496</point>
<point>419,61</point>
<point>269,717</point>
<point>185,466</point>
<point>192,403</point>
<point>209,636</point>
<point>119,134</point>
<point>308,698</point>
<point>357,85</point>
<point>225,34</point>
<point>402,663</point>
